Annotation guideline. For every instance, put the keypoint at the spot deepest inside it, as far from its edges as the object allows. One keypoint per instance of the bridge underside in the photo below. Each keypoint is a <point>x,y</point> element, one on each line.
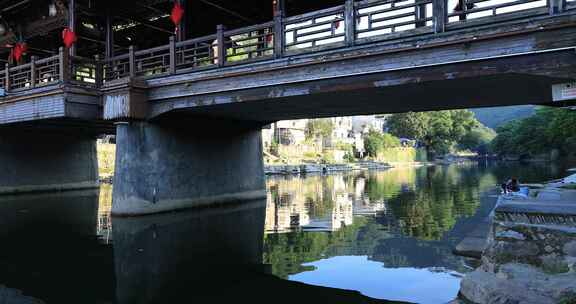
<point>491,91</point>
<point>55,108</point>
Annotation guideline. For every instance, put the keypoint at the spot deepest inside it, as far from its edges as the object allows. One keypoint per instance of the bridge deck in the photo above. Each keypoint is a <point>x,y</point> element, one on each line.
<point>361,45</point>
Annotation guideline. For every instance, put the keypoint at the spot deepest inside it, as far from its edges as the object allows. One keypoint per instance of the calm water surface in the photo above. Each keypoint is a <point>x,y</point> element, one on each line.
<point>383,234</point>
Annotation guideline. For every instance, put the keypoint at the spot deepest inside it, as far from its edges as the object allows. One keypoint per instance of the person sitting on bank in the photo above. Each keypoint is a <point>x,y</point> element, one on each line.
<point>511,185</point>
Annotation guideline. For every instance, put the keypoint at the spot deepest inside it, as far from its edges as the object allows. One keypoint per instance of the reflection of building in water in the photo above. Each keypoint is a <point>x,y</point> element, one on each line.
<point>365,207</point>
<point>285,206</point>
<point>341,213</point>
<point>104,224</point>
<point>362,204</point>
<point>318,203</point>
<point>340,216</point>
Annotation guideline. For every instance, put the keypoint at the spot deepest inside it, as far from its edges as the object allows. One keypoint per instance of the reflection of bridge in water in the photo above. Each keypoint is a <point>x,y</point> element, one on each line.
<point>188,113</point>
<point>51,254</point>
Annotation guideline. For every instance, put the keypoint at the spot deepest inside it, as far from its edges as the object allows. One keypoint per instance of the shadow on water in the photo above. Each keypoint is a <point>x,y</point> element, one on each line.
<point>50,254</point>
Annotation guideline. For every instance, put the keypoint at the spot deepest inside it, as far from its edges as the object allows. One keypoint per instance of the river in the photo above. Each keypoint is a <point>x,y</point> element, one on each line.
<point>379,234</point>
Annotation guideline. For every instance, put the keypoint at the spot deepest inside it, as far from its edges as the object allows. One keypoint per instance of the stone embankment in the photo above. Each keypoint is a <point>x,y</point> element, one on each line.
<point>530,254</point>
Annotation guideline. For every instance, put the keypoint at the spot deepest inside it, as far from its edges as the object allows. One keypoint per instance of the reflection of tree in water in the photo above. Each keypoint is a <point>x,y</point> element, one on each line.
<point>287,252</point>
<point>410,252</point>
<point>427,211</point>
<point>381,186</point>
<point>444,195</point>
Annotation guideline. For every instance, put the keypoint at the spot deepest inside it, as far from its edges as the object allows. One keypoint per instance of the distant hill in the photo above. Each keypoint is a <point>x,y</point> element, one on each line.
<point>495,117</point>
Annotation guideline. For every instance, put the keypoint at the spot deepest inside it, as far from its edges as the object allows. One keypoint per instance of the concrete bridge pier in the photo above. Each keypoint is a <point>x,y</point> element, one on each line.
<point>165,166</point>
<point>33,160</point>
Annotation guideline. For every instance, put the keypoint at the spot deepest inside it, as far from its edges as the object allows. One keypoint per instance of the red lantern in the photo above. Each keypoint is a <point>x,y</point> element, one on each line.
<point>18,51</point>
<point>69,37</point>
<point>177,14</point>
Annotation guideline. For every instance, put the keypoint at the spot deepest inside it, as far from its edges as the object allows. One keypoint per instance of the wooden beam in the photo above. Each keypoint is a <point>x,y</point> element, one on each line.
<point>182,27</point>
<point>440,12</point>
<point>72,22</point>
<point>279,7</point>
<point>231,12</point>
<point>144,23</point>
<point>109,35</point>
<point>11,7</point>
<point>350,22</point>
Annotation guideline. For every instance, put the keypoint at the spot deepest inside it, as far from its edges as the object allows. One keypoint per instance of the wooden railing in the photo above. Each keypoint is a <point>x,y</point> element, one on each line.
<point>353,23</point>
<point>61,68</point>
<point>36,73</point>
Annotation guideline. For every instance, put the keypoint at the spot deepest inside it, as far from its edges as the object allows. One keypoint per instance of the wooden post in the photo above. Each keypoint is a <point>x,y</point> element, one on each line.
<point>33,71</point>
<point>279,35</point>
<point>131,61</point>
<point>182,33</point>
<point>7,80</point>
<point>72,22</point>
<point>109,36</point>
<point>440,15</point>
<point>63,59</point>
<point>172,68</point>
<point>279,7</point>
<point>420,14</point>
<point>556,6</point>
<point>98,73</point>
<point>350,22</point>
<point>463,8</point>
<point>221,45</point>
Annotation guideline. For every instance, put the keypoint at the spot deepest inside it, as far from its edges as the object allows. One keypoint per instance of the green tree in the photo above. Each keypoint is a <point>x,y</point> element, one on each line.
<point>375,142</point>
<point>316,128</point>
<point>409,125</point>
<point>478,139</point>
<point>548,129</point>
<point>439,131</point>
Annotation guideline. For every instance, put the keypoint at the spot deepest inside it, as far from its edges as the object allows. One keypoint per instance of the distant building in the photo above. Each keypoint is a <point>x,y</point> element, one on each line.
<point>291,132</point>
<point>363,124</point>
<point>285,132</point>
<point>342,128</point>
<point>347,130</point>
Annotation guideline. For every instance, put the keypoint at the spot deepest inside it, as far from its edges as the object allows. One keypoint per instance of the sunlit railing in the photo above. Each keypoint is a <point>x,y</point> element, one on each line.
<point>353,23</point>
<point>478,9</point>
<point>84,71</point>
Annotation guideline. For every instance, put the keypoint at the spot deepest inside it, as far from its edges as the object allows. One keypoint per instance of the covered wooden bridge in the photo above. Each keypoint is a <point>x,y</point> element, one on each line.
<point>187,85</point>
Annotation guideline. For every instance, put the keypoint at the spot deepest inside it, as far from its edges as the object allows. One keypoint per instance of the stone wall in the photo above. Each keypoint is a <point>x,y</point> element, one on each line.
<point>525,262</point>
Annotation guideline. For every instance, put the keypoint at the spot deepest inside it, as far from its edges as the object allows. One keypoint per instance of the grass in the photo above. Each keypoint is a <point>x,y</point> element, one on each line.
<point>402,155</point>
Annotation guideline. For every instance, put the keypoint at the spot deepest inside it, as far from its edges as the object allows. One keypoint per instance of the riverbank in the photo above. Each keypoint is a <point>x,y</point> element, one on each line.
<point>342,167</point>
<point>529,253</point>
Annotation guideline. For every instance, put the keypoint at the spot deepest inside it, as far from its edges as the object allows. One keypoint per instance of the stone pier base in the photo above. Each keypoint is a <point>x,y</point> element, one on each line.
<point>163,167</point>
<point>35,161</point>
